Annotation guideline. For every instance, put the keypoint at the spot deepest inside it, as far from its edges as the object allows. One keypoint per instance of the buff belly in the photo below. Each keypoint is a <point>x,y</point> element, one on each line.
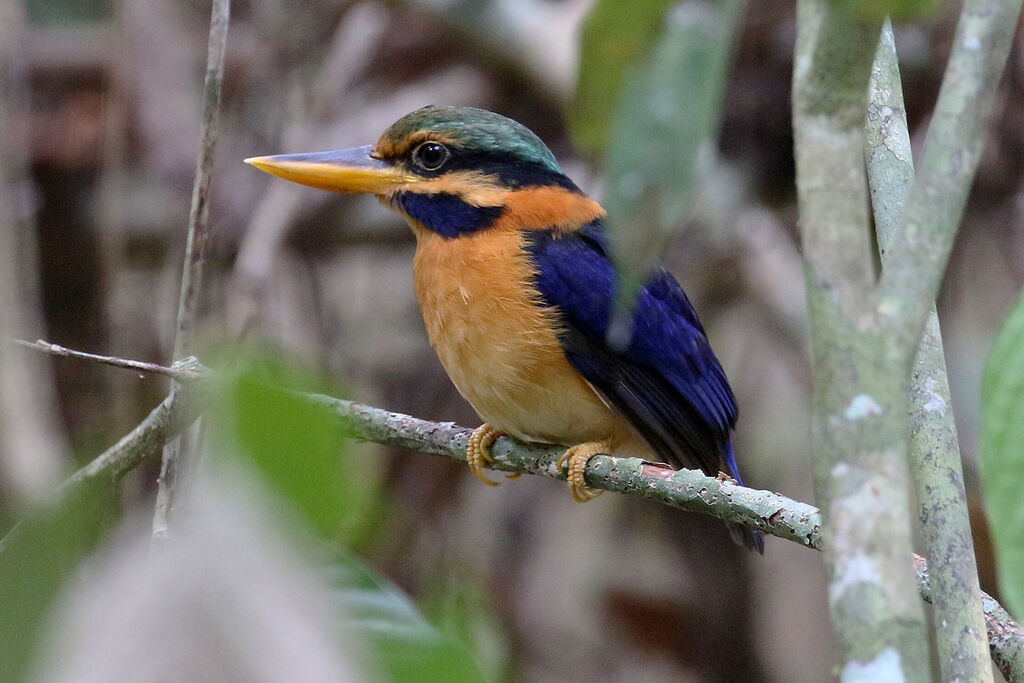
<point>499,346</point>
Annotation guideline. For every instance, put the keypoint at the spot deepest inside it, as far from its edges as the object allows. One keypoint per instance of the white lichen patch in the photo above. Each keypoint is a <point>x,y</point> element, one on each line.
<point>887,667</point>
<point>862,406</point>
<point>852,570</point>
<point>934,402</point>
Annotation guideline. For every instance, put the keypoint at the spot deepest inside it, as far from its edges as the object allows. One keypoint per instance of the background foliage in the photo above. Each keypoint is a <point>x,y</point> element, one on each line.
<point>1002,443</point>
<point>534,586</point>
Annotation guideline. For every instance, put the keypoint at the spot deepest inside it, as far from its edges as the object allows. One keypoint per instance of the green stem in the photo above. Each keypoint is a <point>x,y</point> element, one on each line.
<point>934,451</point>
<point>1005,636</point>
<point>956,138</point>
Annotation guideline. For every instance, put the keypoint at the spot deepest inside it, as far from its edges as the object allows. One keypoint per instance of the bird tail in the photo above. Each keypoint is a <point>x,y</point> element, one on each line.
<point>740,533</point>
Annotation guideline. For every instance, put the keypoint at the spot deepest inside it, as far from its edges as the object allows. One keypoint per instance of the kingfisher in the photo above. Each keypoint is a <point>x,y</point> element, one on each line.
<point>516,286</point>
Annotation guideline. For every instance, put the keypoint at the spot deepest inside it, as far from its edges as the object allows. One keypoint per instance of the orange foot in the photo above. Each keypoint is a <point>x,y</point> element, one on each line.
<point>723,477</point>
<point>575,462</point>
<point>476,451</point>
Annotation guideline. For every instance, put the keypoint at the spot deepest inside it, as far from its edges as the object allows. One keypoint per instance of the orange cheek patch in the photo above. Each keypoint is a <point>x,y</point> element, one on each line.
<point>549,207</point>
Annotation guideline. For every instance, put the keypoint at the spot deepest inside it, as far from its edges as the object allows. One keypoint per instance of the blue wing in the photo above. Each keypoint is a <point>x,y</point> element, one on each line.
<point>668,382</point>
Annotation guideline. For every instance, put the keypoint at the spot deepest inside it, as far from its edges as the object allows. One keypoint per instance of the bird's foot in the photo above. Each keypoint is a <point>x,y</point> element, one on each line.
<point>477,454</point>
<point>575,463</point>
<point>722,476</point>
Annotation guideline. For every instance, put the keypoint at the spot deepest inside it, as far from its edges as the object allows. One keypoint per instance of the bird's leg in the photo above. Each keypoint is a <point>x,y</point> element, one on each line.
<point>575,461</point>
<point>723,477</point>
<point>476,451</point>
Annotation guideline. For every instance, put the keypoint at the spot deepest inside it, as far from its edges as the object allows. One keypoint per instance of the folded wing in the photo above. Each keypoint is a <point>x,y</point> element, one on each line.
<point>667,381</point>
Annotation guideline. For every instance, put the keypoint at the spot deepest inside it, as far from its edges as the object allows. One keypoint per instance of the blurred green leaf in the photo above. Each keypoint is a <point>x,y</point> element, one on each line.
<point>1002,455</point>
<point>616,36</point>
<point>403,644</point>
<point>458,603</point>
<point>68,12</point>
<point>875,10</point>
<point>663,139</point>
<point>37,559</point>
<point>298,450</point>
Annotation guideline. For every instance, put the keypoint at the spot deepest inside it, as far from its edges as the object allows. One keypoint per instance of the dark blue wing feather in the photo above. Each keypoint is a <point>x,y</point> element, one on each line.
<point>667,382</point>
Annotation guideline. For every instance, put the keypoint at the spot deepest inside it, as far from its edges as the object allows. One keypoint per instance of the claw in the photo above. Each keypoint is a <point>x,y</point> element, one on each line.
<point>575,463</point>
<point>476,451</point>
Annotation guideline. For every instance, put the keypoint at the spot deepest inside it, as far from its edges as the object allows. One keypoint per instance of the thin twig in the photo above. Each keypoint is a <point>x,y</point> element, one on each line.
<point>184,370</point>
<point>166,421</point>
<point>195,248</point>
<point>175,413</point>
<point>198,222</point>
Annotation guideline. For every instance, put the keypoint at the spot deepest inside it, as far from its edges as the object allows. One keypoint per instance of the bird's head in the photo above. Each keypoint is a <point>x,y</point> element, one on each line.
<point>452,171</point>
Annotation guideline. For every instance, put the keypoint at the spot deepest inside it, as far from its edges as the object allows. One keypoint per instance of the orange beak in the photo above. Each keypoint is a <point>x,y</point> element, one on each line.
<point>352,170</point>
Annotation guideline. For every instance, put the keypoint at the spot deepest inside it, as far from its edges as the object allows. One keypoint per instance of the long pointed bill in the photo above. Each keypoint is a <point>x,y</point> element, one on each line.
<point>343,170</point>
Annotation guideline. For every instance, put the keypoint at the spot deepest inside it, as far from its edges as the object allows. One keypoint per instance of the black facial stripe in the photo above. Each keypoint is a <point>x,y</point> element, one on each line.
<point>512,172</point>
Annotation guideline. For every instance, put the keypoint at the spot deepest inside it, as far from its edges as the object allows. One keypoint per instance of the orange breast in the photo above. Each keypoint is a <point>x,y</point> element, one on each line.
<point>498,344</point>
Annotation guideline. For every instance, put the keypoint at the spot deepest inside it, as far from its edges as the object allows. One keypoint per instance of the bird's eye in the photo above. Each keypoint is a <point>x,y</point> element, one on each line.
<point>430,155</point>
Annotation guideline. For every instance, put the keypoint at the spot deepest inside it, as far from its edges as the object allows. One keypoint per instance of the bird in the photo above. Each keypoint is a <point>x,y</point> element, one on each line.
<point>516,285</point>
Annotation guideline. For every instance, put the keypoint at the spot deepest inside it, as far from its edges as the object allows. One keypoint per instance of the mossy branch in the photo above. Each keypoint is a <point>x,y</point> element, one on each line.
<point>858,407</point>
<point>1005,636</point>
<point>919,250</point>
<point>864,337</point>
<point>934,450</point>
<point>690,490</point>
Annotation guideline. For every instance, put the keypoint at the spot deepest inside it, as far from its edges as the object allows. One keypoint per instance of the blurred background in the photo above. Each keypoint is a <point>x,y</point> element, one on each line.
<point>101,130</point>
